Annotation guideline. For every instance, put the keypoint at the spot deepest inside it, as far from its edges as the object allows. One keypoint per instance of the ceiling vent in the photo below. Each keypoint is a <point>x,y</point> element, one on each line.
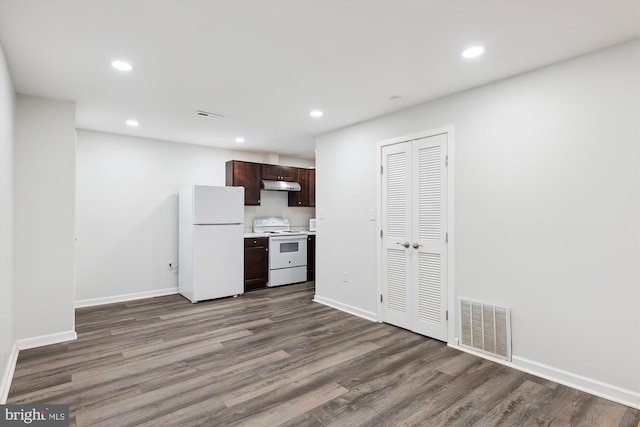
<point>209,115</point>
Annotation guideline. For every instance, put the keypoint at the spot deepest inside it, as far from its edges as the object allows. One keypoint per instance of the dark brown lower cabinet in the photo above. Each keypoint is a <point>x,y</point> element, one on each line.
<point>256,263</point>
<point>311,257</point>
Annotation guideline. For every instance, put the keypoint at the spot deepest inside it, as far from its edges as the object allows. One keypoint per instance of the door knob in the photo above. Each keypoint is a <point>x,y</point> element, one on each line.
<point>405,244</point>
<point>416,246</point>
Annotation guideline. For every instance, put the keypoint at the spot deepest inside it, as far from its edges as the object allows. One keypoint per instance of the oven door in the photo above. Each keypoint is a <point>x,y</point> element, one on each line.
<point>287,251</point>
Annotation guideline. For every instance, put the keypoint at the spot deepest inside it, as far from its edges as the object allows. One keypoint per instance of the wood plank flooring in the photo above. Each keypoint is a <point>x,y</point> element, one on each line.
<point>274,357</point>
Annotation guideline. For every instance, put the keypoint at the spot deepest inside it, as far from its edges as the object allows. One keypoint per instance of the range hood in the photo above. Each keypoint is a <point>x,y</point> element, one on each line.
<point>279,185</point>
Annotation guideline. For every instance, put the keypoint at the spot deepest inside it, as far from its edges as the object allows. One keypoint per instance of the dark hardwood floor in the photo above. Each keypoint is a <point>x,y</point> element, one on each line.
<point>274,357</point>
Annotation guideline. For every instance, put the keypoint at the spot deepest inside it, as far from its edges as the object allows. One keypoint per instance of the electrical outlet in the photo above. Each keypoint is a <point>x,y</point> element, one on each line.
<point>345,276</point>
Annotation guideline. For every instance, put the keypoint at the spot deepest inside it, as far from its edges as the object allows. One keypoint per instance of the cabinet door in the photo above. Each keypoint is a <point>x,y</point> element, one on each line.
<point>247,175</point>
<point>311,258</point>
<point>278,173</point>
<point>300,198</point>
<point>312,188</point>
<point>256,263</point>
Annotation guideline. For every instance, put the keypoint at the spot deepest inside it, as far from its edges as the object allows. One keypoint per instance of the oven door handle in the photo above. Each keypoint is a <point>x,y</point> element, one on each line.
<point>288,238</point>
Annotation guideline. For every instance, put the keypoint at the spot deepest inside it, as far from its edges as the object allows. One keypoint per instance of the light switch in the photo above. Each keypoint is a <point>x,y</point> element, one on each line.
<point>372,215</point>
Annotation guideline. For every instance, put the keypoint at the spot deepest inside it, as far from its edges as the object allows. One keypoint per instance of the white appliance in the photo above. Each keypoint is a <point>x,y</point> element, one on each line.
<point>287,251</point>
<point>211,236</point>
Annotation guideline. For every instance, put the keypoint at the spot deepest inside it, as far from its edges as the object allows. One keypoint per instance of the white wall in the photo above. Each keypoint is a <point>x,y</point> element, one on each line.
<point>44,220</point>
<point>546,212</point>
<point>127,210</point>
<point>7,323</point>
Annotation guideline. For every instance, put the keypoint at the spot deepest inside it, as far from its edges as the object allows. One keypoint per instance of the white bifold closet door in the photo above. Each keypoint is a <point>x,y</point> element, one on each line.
<point>414,201</point>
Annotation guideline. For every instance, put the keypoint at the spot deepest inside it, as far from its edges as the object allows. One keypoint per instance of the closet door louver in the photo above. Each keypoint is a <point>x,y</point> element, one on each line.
<point>429,192</point>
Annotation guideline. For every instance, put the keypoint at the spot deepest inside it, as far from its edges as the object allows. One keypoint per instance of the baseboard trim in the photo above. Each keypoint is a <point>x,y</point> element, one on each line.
<point>569,379</point>
<point>373,317</point>
<point>27,343</point>
<point>588,385</point>
<point>127,297</point>
<point>7,375</point>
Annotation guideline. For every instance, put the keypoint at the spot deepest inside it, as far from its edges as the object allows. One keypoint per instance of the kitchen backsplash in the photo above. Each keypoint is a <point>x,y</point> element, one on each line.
<point>274,203</point>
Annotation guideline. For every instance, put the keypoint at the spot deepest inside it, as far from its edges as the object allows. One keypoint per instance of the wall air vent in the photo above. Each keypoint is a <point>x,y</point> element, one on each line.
<point>209,115</point>
<point>486,328</point>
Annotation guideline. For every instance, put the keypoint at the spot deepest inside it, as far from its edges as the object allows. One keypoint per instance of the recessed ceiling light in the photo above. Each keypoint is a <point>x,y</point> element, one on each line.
<point>121,65</point>
<point>316,114</point>
<point>239,140</point>
<point>132,123</point>
<point>473,52</point>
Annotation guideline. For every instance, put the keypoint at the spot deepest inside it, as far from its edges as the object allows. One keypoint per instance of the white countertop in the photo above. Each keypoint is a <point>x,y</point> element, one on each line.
<point>254,235</point>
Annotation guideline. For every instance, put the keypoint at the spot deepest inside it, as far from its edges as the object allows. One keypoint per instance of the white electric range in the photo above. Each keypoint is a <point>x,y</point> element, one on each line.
<point>287,251</point>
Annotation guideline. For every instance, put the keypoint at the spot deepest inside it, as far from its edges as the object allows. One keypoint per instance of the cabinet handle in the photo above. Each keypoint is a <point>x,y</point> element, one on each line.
<point>405,244</point>
<point>416,246</point>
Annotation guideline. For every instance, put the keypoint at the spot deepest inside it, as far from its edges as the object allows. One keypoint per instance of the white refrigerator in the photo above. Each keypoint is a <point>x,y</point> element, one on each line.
<point>211,242</point>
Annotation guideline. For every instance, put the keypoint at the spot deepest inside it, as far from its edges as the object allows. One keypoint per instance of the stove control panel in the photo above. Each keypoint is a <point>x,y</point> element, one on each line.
<point>270,225</point>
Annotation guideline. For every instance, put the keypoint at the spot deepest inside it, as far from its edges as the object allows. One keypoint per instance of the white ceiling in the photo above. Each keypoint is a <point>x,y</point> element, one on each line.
<point>264,64</point>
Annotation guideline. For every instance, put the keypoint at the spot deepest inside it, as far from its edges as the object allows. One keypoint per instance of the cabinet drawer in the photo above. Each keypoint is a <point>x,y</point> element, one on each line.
<point>252,242</point>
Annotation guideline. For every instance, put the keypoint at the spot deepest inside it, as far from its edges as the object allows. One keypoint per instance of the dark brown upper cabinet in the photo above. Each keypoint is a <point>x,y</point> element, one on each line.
<point>278,173</point>
<point>312,188</point>
<point>300,198</point>
<point>247,175</point>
